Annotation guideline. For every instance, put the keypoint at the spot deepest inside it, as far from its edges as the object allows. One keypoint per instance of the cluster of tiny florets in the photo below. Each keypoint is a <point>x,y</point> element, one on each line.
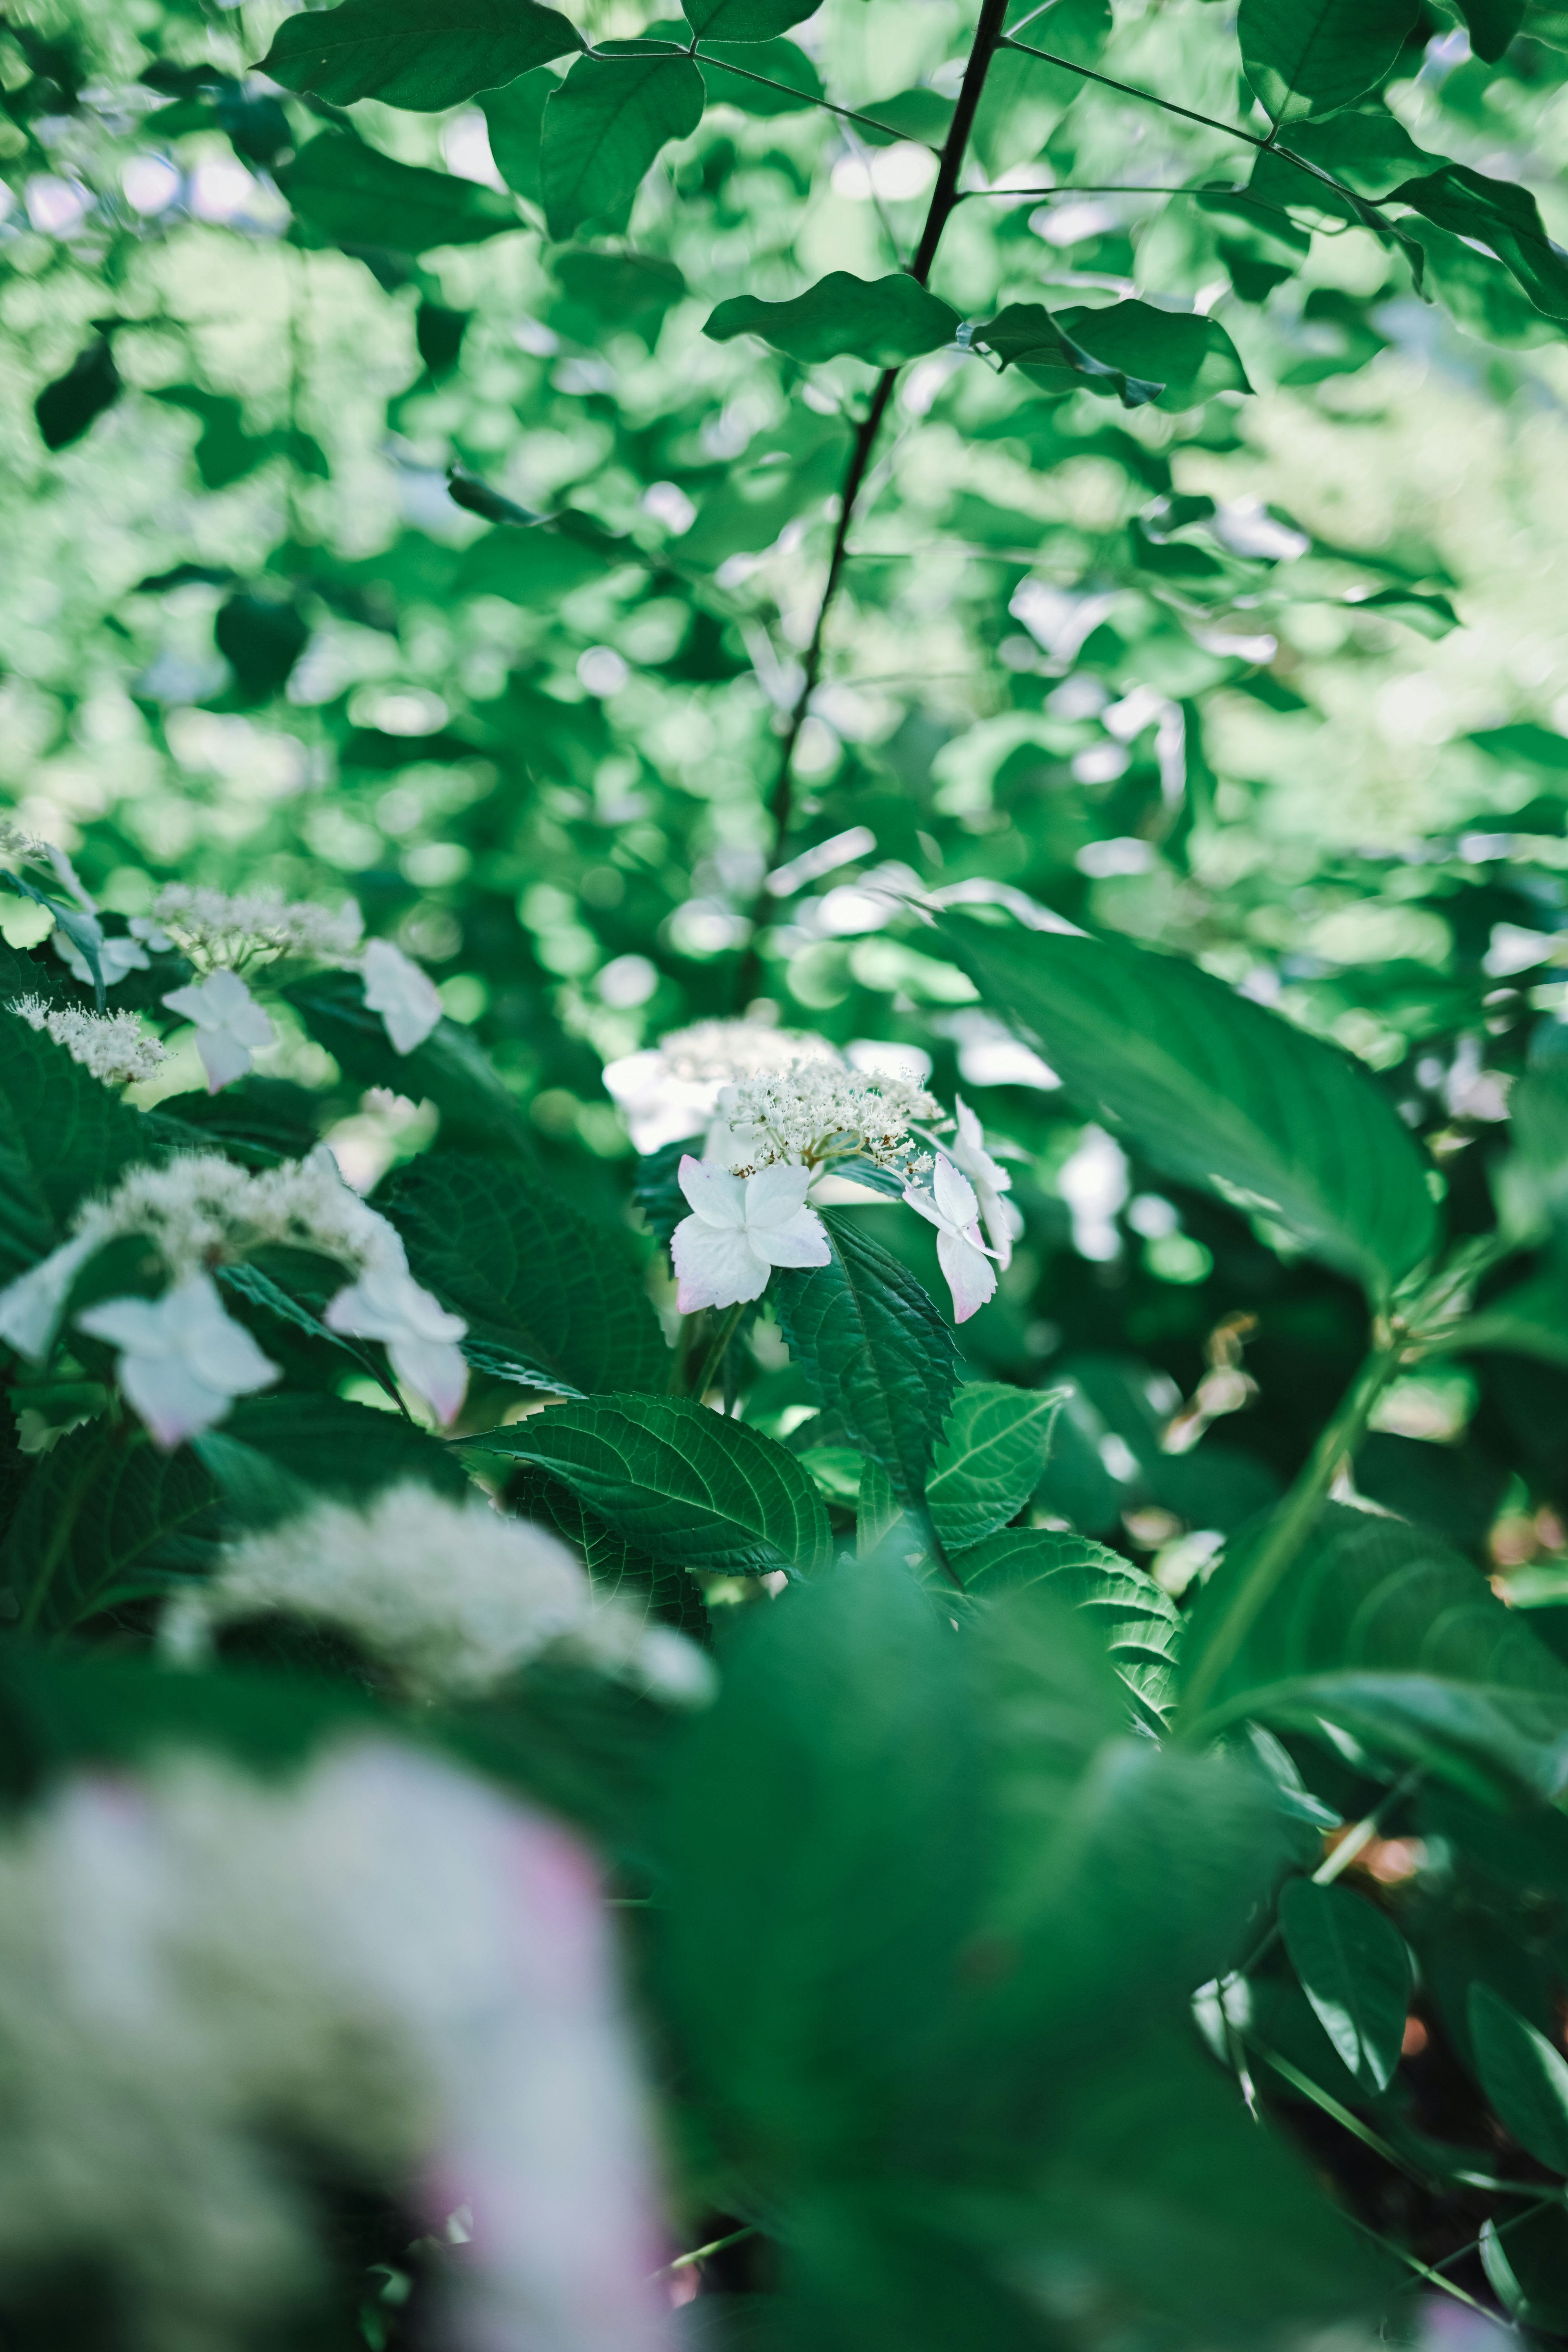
<point>726,1050</point>
<point>15,843</point>
<point>217,932</point>
<point>200,1210</point>
<point>815,1111</point>
<point>450,1598</point>
<point>113,1046</point>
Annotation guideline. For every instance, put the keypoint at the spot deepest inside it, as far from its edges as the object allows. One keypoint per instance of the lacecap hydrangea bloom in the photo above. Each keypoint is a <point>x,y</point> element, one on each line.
<point>183,1358</point>
<point>113,1046</point>
<point>217,932</point>
<point>671,1091</point>
<point>450,1598</point>
<point>384,1962</point>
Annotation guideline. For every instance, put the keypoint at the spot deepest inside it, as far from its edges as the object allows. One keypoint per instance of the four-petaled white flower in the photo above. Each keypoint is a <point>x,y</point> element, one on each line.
<point>418,1334</point>
<point>183,1360</point>
<point>740,1229</point>
<point>230,1025</point>
<point>951,1206</point>
<point>406,997</point>
<point>115,959</point>
<point>1003,1218</point>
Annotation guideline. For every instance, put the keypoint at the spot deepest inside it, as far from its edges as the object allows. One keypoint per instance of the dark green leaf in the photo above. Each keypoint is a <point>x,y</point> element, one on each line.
<point>1535,746</point>
<point>63,1135</point>
<point>514,117</point>
<point>1140,1625</point>
<point>1430,616</point>
<point>729,69</point>
<point>425,54</point>
<point>1499,214</point>
<point>1381,1630</point>
<point>883,319</point>
<point>261,639</point>
<point>354,195</point>
<point>682,1484</point>
<point>1492,25</point>
<point>549,1300</point>
<point>1025,96</point>
<point>532,567</point>
<point>67,407</point>
<point>874,1350</point>
<point>618,1570</point>
<point>1523,2075</point>
<point>274,1455</point>
<point>1215,1089</point>
<point>744,20</point>
<point>1312,57</point>
<point>990,1458</point>
<point>258,1122</point>
<point>605,125</point>
<point>104,1516</point>
<point>1354,1968</point>
<point>450,1069</point>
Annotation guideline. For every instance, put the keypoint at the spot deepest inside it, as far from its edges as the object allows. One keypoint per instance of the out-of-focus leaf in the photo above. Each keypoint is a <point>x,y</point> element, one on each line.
<point>1430,616</point>
<point>548,1299</point>
<point>450,1069</point>
<point>605,123</point>
<point>680,1483</point>
<point>63,1136</point>
<point>885,320</point>
<point>425,54</point>
<point>1493,25</point>
<point>1215,1089</point>
<point>92,383</point>
<point>274,1455</point>
<point>1140,1625</point>
<point>873,1349</point>
<point>1313,56</point>
<point>1523,2076</point>
<point>514,117</point>
<point>1354,1968</point>
<point>262,638</point>
<point>354,195</point>
<point>103,1517</point>
<point>989,1459</point>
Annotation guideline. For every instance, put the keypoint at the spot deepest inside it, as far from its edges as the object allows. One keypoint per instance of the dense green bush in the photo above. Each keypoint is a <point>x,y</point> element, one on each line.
<point>783,1167</point>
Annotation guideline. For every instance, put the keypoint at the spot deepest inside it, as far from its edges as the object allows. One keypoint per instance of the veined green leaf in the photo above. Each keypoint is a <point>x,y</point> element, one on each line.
<point>1523,2075</point>
<point>549,1300</point>
<point>354,195</point>
<point>1355,1970</point>
<point>990,1458</point>
<point>514,117</point>
<point>97,1515</point>
<point>273,1455</point>
<point>1139,1626</point>
<point>1312,57</point>
<point>1215,1089</point>
<point>425,54</point>
<point>680,1483</point>
<point>873,1349</point>
<point>885,320</point>
<point>730,67</point>
<point>618,1570</point>
<point>606,122</point>
<point>1381,1630</point>
<point>1499,214</point>
<point>744,20</point>
<point>1142,354</point>
<point>63,1135</point>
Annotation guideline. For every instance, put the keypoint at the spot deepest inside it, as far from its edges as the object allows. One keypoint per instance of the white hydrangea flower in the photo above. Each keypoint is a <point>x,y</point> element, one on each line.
<point>816,1113</point>
<point>383,1959</point>
<point>1002,1218</point>
<point>115,958</point>
<point>217,932</point>
<point>406,998</point>
<point>671,1089</point>
<point>183,1360</point>
<point>738,1230</point>
<point>450,1597</point>
<point>230,1025</point>
<point>31,1307</point>
<point>951,1206</point>
<point>112,1046</point>
<point>419,1335</point>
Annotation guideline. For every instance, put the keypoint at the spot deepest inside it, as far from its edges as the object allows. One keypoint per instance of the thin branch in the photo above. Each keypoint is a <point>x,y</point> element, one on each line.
<point>725,65</point>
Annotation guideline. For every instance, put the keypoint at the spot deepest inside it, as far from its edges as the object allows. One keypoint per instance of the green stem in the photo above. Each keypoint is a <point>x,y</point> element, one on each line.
<point>700,2253</point>
<point>715,1356</point>
<point>1288,1531</point>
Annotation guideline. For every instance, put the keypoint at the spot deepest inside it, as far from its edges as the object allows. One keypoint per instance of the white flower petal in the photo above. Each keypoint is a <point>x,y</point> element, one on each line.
<point>224,1059</point>
<point>953,1194</point>
<point>970,1276</point>
<point>406,997</point>
<point>434,1370</point>
<point>715,1196</point>
<point>803,1241</point>
<point>715,1266</point>
<point>31,1307</point>
<point>169,1398</point>
<point>182,1357</point>
<point>775,1195</point>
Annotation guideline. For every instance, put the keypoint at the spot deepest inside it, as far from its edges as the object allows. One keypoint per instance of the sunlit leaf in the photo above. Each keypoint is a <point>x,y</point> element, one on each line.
<point>1524,2077</point>
<point>883,319</point>
<point>606,122</point>
<point>1312,57</point>
<point>1355,1970</point>
<point>423,54</point>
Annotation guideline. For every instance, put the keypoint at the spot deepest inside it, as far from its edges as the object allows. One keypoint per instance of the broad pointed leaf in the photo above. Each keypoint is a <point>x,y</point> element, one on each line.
<point>105,1519</point>
<point>273,1455</point>
<point>744,20</point>
<point>1139,1624</point>
<point>617,1569</point>
<point>1499,214</point>
<point>1355,1970</point>
<point>990,1459</point>
<point>682,1484</point>
<point>606,122</point>
<point>1312,57</point>
<point>1142,354</point>
<point>1215,1089</point>
<point>425,54</point>
<point>354,195</point>
<point>885,320</point>
<point>63,1135</point>
<point>1523,2076</point>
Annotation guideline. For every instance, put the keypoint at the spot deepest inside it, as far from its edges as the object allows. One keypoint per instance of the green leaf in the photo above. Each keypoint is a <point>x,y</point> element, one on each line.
<point>274,1455</point>
<point>354,195</point>
<point>1492,25</point>
<point>1354,1968</point>
<point>1430,616</point>
<point>1523,2076</point>
<point>425,54</point>
<point>990,1459</point>
<point>450,1069</point>
<point>533,567</point>
<point>65,408</point>
<point>1524,743</point>
<point>105,1518</point>
<point>605,125</point>
<point>874,1351</point>
<point>1169,357</point>
<point>549,1300</point>
<point>727,66</point>
<point>1313,56</point>
<point>1501,215</point>
<point>514,117</point>
<point>1025,96</point>
<point>885,320</point>
<point>1216,1090</point>
<point>617,1569</point>
<point>1383,1631</point>
<point>63,1135</point>
<point>1139,1626</point>
<point>744,20</point>
<point>682,1484</point>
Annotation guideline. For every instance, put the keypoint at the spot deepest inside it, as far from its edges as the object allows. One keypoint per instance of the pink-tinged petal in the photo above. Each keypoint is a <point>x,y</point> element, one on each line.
<point>713,1194</point>
<point>970,1276</point>
<point>173,1402</point>
<point>923,1204</point>
<point>802,1242</point>
<point>774,1196</point>
<point>954,1193</point>
<point>1003,1223</point>
<point>714,1268</point>
<point>223,1059</point>
<point>435,1370</point>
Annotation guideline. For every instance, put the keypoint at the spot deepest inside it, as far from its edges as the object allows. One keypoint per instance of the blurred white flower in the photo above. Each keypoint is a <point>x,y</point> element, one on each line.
<point>115,958</point>
<point>230,1025</point>
<point>951,1206</point>
<point>419,1335</point>
<point>406,997</point>
<point>1002,1219</point>
<point>219,932</point>
<point>182,1359</point>
<point>383,1960</point>
<point>450,1596</point>
<point>112,1046</point>
<point>31,1307</point>
<point>740,1229</point>
<point>1094,1182</point>
<point>671,1091</point>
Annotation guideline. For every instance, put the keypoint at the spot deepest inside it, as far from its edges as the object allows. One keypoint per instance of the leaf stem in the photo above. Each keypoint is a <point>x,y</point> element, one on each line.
<point>715,1356</point>
<point>700,2253</point>
<point>1292,1525</point>
<point>943,199</point>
